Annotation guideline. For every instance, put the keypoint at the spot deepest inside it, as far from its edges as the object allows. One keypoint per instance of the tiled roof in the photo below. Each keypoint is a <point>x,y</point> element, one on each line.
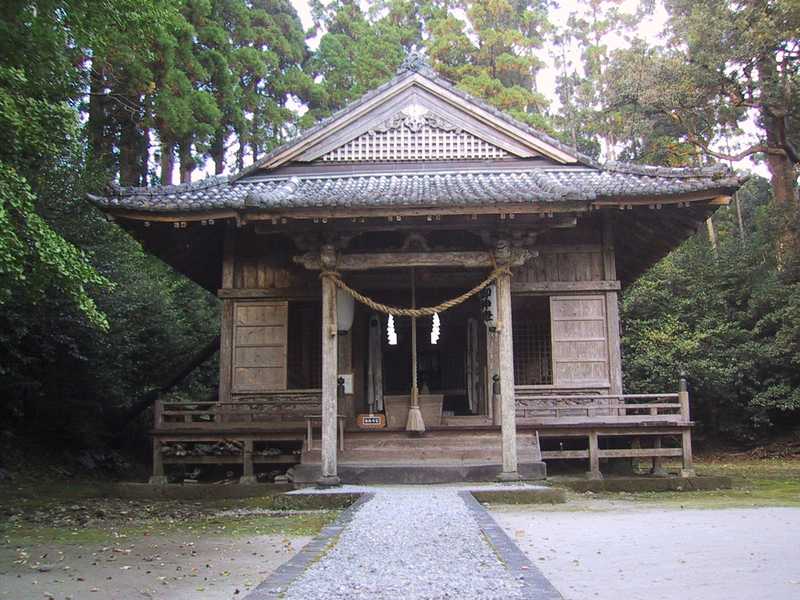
<point>442,189</point>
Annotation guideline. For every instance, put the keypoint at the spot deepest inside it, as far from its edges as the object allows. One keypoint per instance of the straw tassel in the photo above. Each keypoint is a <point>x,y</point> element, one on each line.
<point>415,424</point>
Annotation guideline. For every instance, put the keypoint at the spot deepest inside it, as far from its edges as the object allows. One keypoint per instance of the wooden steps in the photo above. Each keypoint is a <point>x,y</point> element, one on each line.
<point>437,447</point>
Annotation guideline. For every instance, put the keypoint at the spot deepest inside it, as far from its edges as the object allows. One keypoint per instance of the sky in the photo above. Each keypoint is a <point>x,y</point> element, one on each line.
<point>650,28</point>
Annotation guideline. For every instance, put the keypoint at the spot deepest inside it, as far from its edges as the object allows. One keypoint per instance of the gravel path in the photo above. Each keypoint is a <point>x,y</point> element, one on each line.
<point>409,542</point>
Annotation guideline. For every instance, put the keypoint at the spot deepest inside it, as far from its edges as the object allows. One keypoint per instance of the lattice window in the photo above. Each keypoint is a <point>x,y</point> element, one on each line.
<point>414,134</point>
<point>305,345</point>
<point>533,354</point>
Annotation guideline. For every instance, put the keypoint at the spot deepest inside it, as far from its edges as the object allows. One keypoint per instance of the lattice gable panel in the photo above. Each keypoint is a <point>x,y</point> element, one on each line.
<point>414,134</point>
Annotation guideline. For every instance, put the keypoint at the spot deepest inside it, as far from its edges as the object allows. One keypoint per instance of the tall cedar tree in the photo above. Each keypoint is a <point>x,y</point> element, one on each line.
<point>728,62</point>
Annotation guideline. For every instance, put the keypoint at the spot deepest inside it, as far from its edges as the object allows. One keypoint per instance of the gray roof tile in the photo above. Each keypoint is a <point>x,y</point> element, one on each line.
<point>428,189</point>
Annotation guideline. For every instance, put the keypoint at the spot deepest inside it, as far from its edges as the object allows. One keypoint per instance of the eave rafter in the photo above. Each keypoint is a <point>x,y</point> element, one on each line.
<point>398,213</point>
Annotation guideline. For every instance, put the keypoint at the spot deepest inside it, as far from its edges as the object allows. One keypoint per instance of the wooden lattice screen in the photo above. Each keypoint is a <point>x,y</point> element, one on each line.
<point>422,142</point>
<point>533,357</point>
<point>305,345</point>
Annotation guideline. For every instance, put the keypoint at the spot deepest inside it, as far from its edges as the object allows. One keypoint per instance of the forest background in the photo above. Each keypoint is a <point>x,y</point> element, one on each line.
<point>147,92</point>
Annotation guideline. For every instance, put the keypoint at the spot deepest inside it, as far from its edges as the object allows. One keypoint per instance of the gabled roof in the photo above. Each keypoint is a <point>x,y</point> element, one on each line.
<point>469,154</point>
<point>415,75</point>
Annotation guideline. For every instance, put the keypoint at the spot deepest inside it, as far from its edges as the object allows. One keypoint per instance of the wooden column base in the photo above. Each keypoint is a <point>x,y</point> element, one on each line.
<point>658,469</point>
<point>248,480</point>
<point>158,480</point>
<point>328,481</point>
<point>508,476</point>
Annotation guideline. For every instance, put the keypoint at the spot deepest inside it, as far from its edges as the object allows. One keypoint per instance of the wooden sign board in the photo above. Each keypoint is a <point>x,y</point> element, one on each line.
<point>371,421</point>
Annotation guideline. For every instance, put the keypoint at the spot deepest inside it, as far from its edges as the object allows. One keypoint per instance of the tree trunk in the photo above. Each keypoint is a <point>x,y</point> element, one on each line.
<point>187,161</point>
<point>100,143</point>
<point>712,235</point>
<point>144,155</point>
<point>781,167</point>
<point>130,145</point>
<point>218,152</point>
<point>167,161</point>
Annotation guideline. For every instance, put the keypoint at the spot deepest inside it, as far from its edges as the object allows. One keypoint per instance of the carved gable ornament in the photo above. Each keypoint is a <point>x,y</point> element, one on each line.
<point>414,133</point>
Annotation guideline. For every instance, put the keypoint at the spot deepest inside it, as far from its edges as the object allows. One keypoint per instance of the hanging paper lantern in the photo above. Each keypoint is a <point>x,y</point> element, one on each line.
<point>345,311</point>
<point>391,334</point>
<point>435,329</point>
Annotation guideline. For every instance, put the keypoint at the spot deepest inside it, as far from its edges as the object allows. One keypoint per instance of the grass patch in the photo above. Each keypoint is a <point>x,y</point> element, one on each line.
<point>755,483</point>
<point>290,525</point>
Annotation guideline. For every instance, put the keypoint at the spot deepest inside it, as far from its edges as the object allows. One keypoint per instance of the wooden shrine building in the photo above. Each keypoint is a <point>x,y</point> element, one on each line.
<point>486,261</point>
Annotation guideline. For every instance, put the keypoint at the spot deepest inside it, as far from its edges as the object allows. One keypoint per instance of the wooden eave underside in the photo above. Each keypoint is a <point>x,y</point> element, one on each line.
<point>646,229</point>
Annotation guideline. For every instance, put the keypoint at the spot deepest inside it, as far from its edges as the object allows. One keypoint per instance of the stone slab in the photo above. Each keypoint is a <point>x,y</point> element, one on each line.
<point>421,473</point>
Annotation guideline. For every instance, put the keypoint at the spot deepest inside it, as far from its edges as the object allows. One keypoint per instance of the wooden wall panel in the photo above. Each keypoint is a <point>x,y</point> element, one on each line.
<point>583,263</point>
<point>264,262</point>
<point>259,346</point>
<point>580,340</point>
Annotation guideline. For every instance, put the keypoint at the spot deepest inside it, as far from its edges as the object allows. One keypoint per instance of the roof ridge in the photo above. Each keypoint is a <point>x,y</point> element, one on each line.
<point>712,171</point>
<point>160,190</point>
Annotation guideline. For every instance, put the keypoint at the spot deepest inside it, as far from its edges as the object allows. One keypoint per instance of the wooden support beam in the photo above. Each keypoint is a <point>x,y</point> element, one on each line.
<point>158,477</point>
<point>508,413</point>
<point>226,351</point>
<point>686,435</point>
<point>329,382</point>
<point>293,293</point>
<point>248,476</point>
<point>533,287</point>
<point>387,260</point>
<point>594,457</point>
<point>613,340</point>
<point>658,462</point>
<point>229,255</point>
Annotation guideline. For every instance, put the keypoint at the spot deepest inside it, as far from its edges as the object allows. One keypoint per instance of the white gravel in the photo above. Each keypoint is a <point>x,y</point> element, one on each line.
<point>409,542</point>
<point>663,554</point>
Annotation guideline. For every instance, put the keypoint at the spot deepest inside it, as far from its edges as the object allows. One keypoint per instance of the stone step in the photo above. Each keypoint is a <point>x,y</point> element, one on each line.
<point>420,454</point>
<point>429,439</point>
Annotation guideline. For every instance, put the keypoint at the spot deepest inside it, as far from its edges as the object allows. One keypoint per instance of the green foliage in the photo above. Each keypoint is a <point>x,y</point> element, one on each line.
<point>34,259</point>
<point>354,56</point>
<point>88,321</point>
<point>731,321</point>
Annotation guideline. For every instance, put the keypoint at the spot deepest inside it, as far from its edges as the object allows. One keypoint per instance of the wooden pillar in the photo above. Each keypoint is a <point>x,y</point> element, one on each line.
<point>614,354</point>
<point>248,476</point>
<point>686,434</point>
<point>594,457</point>
<point>226,350</point>
<point>686,446</point>
<point>329,383</point>
<point>508,409</point>
<point>158,477</point>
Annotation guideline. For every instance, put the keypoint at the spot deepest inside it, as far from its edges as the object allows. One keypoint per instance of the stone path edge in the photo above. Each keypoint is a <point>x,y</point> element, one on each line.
<point>278,583</point>
<point>534,584</point>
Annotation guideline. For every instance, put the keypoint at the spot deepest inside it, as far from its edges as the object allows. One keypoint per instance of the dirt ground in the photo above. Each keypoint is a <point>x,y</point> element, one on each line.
<point>736,544</point>
<point>65,540</point>
<point>175,567</point>
<point>663,554</point>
